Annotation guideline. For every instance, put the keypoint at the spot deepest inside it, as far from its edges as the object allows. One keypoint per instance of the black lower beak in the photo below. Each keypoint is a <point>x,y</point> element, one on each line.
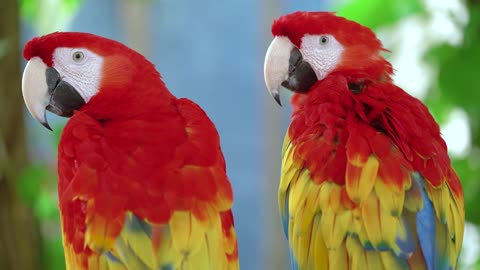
<point>301,75</point>
<point>64,98</point>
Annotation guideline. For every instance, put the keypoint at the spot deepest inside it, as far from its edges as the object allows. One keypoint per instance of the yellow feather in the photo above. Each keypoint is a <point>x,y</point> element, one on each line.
<point>326,225</point>
<point>298,191</point>
<point>290,171</point>
<point>370,210</point>
<point>318,249</point>
<point>356,222</point>
<point>440,198</point>
<point>229,244</point>
<point>413,198</point>
<point>450,220</point>
<point>373,260</point>
<point>391,262</point>
<point>359,186</point>
<point>442,244</point>
<point>198,260</point>
<point>303,220</point>
<point>139,243</point>
<point>380,225</point>
<point>111,265</point>
<point>301,242</point>
<point>286,143</point>
<point>357,253</point>
<point>290,175</point>
<point>187,232</point>
<point>335,227</point>
<point>163,253</point>
<point>390,199</point>
<point>214,241</point>
<point>458,227</point>
<point>130,259</point>
<point>338,259</point>
<point>329,198</point>
<point>311,201</point>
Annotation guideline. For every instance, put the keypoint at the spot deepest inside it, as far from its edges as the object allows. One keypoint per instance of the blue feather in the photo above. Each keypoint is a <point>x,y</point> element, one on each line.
<point>134,224</point>
<point>408,245</point>
<point>426,226</point>
<point>293,262</point>
<point>286,217</point>
<point>166,267</point>
<point>112,257</point>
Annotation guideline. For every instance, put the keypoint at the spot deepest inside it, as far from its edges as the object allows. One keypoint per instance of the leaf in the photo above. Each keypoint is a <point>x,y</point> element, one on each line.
<point>375,13</point>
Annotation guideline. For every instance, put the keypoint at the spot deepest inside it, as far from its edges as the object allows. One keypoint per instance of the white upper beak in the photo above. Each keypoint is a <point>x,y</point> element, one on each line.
<point>276,65</point>
<point>35,89</point>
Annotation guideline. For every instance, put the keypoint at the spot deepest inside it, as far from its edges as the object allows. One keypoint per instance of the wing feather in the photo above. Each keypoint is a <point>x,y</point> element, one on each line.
<point>166,205</point>
<point>384,216</point>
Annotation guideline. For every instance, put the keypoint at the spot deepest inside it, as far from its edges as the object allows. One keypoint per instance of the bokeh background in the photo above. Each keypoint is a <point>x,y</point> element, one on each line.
<point>212,52</point>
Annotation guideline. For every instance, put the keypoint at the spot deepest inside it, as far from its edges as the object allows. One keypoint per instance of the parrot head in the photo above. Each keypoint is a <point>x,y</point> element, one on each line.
<point>309,46</point>
<point>66,70</point>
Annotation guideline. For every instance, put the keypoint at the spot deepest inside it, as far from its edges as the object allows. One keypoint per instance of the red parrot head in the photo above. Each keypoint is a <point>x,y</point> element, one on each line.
<point>66,70</point>
<point>309,46</point>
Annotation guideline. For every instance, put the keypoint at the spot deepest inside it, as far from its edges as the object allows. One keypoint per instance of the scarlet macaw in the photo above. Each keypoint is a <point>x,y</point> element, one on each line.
<point>366,182</point>
<point>142,181</point>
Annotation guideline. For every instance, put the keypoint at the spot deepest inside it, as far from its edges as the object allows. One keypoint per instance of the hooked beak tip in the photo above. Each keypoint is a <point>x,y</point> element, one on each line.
<point>276,96</point>
<point>45,124</point>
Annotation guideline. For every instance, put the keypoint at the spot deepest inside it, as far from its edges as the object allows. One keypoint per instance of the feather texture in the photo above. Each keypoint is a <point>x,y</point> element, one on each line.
<point>351,197</point>
<point>140,212</point>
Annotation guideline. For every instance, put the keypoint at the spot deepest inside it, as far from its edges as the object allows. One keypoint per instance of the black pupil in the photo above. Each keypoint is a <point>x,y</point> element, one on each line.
<point>324,39</point>
<point>78,56</point>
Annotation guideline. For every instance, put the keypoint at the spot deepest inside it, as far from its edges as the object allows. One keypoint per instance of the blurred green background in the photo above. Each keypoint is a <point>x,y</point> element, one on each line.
<point>435,51</point>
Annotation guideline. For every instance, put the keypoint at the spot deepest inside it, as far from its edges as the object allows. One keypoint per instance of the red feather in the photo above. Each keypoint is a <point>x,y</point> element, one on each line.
<point>134,147</point>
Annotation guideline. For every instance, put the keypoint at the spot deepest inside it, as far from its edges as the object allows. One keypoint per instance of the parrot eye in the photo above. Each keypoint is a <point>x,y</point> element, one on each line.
<point>78,56</point>
<point>323,40</point>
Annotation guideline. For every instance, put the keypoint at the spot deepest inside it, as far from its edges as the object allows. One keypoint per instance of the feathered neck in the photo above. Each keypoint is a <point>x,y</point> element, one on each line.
<point>117,102</point>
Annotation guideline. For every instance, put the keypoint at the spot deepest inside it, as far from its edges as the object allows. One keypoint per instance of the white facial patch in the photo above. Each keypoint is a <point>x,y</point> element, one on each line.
<point>322,52</point>
<point>79,67</point>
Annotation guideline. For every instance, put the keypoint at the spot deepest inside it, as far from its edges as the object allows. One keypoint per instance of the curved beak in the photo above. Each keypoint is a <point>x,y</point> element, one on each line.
<point>284,66</point>
<point>43,89</point>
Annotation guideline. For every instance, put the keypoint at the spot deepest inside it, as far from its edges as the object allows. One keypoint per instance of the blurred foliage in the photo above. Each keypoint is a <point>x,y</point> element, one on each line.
<point>367,12</point>
<point>458,72</point>
<point>37,187</point>
<point>37,184</point>
<point>48,16</point>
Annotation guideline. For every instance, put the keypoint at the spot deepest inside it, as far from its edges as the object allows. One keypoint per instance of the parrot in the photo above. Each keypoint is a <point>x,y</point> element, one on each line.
<point>142,180</point>
<point>366,181</point>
